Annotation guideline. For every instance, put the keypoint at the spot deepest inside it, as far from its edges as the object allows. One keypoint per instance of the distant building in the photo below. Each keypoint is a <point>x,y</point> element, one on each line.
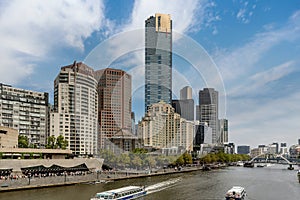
<point>186,93</point>
<point>243,149</point>
<point>158,59</point>
<point>223,131</point>
<point>185,106</point>
<point>8,137</point>
<point>26,111</point>
<point>75,109</point>
<point>229,148</point>
<point>163,128</point>
<point>263,148</point>
<point>277,147</point>
<point>208,111</point>
<point>203,135</point>
<point>283,148</point>
<point>272,148</point>
<point>114,91</point>
<point>298,141</point>
<point>294,152</point>
<point>256,152</point>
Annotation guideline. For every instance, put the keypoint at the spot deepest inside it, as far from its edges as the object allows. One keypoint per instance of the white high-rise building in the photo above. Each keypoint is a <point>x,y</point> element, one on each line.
<point>26,111</point>
<point>76,108</point>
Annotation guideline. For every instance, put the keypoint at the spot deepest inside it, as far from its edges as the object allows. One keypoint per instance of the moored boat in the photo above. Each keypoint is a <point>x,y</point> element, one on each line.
<point>236,193</point>
<point>239,163</point>
<point>248,164</point>
<point>129,192</point>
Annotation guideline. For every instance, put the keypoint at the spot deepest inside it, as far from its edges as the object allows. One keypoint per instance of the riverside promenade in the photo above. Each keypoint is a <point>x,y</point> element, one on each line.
<point>23,183</point>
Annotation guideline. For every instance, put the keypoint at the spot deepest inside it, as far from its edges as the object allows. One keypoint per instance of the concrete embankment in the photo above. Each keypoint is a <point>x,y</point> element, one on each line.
<point>56,181</point>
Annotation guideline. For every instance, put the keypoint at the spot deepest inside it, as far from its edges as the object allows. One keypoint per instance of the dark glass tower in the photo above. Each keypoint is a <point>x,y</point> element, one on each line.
<point>158,59</point>
<point>208,111</point>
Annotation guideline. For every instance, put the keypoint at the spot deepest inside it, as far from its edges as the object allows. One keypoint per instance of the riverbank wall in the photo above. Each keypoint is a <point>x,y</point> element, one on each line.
<point>25,183</point>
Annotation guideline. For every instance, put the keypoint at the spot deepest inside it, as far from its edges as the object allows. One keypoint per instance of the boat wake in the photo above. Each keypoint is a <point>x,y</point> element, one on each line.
<point>162,185</point>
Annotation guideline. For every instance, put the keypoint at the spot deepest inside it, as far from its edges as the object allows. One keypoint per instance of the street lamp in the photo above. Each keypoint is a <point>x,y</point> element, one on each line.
<point>29,175</point>
<point>65,173</point>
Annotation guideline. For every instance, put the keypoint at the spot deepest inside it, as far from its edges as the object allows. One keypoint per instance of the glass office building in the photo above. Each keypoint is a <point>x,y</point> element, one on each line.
<point>158,59</point>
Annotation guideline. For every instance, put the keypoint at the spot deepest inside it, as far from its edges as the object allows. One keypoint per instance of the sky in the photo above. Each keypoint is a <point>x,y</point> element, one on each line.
<point>247,50</point>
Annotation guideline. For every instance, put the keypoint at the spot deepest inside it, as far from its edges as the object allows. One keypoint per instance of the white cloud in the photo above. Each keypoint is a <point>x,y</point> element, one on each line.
<point>254,122</point>
<point>256,83</point>
<point>31,29</point>
<point>239,61</point>
<point>185,14</point>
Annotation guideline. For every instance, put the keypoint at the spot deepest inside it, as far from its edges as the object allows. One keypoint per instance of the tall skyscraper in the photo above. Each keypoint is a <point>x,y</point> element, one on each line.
<point>185,106</point>
<point>25,111</point>
<point>158,59</point>
<point>208,111</point>
<point>114,91</point>
<point>75,109</point>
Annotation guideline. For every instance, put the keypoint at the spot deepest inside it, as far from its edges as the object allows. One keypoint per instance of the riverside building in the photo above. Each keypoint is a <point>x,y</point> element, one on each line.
<point>162,128</point>
<point>114,114</point>
<point>75,109</point>
<point>158,59</point>
<point>25,111</point>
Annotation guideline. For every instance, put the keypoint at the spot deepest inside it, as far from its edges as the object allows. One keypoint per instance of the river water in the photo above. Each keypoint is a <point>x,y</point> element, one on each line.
<point>274,183</point>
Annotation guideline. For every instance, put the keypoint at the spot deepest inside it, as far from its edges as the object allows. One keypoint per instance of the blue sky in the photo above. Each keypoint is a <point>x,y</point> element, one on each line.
<point>248,50</point>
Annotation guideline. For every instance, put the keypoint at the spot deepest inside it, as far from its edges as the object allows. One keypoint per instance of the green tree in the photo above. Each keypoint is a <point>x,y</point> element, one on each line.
<point>136,161</point>
<point>150,161</point>
<point>187,158</point>
<point>140,151</point>
<point>61,142</point>
<point>51,143</point>
<point>179,161</point>
<point>124,160</point>
<point>23,141</point>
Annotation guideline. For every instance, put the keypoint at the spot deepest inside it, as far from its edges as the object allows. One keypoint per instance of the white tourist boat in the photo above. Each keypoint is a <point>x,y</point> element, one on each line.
<point>236,193</point>
<point>129,192</point>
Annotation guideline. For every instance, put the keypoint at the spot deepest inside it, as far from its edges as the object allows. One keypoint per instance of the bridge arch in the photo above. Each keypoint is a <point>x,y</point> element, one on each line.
<point>276,155</point>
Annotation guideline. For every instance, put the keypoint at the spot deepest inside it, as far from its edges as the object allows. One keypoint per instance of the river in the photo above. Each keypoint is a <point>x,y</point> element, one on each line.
<point>270,183</point>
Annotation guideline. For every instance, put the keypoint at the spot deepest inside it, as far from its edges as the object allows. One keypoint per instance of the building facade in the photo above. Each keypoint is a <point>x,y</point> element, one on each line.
<point>244,149</point>
<point>25,111</point>
<point>208,111</point>
<point>185,106</point>
<point>203,135</point>
<point>186,93</point>
<point>8,137</point>
<point>75,108</point>
<point>223,131</point>
<point>162,128</point>
<point>158,59</point>
<point>114,90</point>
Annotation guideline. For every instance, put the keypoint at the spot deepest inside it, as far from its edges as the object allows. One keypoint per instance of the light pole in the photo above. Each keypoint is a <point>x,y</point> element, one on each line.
<point>65,173</point>
<point>29,176</point>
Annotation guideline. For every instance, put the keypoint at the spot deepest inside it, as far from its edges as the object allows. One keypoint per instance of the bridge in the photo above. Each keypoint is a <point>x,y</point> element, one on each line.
<point>268,157</point>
